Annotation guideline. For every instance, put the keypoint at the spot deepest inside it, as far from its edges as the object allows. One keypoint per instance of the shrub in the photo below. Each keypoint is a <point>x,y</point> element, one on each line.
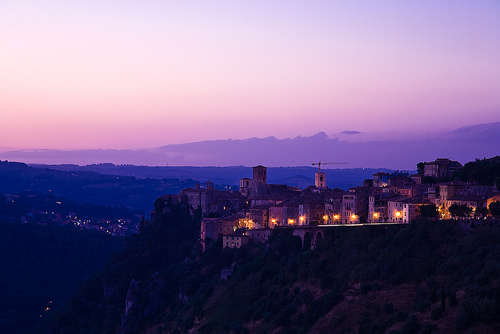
<point>388,308</point>
<point>365,288</point>
<point>436,313</point>
<point>452,298</point>
<point>411,326</point>
<point>463,319</point>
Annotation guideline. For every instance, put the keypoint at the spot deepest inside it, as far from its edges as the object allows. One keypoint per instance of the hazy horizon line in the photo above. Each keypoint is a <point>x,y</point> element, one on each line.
<point>347,135</point>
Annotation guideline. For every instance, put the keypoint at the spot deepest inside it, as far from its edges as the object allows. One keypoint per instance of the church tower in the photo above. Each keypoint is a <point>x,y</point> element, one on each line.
<point>320,180</point>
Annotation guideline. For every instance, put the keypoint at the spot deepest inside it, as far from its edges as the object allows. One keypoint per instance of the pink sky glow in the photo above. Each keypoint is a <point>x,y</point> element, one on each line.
<point>120,74</point>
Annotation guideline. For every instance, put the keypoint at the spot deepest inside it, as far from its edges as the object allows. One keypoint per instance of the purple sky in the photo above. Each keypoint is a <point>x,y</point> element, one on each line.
<point>107,73</point>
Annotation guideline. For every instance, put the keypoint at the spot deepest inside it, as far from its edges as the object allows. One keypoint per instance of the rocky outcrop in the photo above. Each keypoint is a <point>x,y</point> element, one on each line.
<point>143,301</point>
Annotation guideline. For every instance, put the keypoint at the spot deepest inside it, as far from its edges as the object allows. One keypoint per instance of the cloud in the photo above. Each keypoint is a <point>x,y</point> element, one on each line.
<point>350,132</point>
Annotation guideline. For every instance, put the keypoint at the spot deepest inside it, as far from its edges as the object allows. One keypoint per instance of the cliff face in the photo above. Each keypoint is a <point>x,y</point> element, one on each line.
<point>422,278</point>
<point>143,301</point>
<point>141,282</point>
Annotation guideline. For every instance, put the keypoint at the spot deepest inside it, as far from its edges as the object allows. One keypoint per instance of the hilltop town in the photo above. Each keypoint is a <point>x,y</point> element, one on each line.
<point>398,254</point>
<point>398,198</point>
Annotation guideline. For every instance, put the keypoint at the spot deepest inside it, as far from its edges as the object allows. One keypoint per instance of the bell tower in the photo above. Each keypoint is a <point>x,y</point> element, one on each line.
<point>320,180</point>
<point>260,174</point>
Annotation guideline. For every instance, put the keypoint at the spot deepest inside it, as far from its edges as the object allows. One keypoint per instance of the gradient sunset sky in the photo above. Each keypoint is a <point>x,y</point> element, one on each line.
<point>120,74</point>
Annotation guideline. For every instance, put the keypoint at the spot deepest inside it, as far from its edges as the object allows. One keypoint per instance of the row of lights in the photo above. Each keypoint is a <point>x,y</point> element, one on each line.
<point>376,215</point>
<point>302,219</point>
<point>336,217</point>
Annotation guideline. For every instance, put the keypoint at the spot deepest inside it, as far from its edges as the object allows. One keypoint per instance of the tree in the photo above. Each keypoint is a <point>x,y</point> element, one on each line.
<point>481,212</point>
<point>495,209</point>
<point>460,210</point>
<point>428,211</point>
<point>485,171</point>
<point>420,168</point>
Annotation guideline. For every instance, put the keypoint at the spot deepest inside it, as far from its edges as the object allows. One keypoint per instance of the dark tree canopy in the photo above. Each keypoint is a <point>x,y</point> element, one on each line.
<point>495,209</point>
<point>481,212</point>
<point>420,168</point>
<point>428,211</point>
<point>459,210</point>
<point>485,171</point>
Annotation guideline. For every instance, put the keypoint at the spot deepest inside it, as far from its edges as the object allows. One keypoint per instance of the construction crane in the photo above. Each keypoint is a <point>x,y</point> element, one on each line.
<point>321,163</point>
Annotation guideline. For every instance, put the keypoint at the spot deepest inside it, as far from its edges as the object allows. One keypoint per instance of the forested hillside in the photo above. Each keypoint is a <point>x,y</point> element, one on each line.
<point>87,187</point>
<point>422,278</point>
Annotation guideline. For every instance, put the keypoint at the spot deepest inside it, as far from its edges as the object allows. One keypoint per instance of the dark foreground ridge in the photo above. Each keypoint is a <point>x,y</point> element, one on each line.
<point>418,278</point>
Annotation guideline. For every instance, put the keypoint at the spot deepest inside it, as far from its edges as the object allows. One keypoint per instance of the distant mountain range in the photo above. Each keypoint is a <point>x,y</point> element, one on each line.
<point>225,176</point>
<point>462,144</point>
<point>86,187</point>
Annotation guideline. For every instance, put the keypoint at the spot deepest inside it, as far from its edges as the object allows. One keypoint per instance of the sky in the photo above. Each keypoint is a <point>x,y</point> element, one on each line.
<point>130,74</point>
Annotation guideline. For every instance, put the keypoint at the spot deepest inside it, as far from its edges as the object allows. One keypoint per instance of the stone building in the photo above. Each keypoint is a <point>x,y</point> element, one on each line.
<point>213,228</point>
<point>349,208</point>
<point>320,180</point>
<point>260,174</point>
<point>395,211</point>
<point>472,196</point>
<point>377,209</point>
<point>441,168</point>
<point>381,179</point>
<point>283,215</point>
<point>211,201</point>
<point>355,205</point>
<point>234,240</point>
<point>403,211</point>
<point>259,216</point>
<point>261,235</point>
<point>257,185</point>
<point>245,186</point>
